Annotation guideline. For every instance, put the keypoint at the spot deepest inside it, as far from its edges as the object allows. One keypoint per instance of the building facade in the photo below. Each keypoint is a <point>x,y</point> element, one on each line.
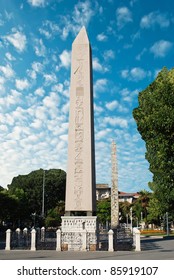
<point>103,191</point>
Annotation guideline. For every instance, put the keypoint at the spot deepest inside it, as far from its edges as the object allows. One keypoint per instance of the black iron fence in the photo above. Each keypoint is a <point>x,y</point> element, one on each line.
<point>46,239</point>
<point>21,239</point>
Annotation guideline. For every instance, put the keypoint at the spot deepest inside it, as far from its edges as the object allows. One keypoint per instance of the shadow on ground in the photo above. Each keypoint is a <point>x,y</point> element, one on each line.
<point>151,244</point>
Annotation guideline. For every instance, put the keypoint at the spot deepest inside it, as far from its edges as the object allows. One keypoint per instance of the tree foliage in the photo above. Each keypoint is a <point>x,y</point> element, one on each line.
<point>9,206</point>
<point>155,121</point>
<point>29,189</point>
<point>104,210</point>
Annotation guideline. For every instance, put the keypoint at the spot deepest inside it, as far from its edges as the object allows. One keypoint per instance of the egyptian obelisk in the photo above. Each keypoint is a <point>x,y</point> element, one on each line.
<point>114,189</point>
<point>80,182</point>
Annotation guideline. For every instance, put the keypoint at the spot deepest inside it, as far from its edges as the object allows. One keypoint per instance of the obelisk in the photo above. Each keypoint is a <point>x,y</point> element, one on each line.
<point>114,189</point>
<point>80,181</point>
<point>79,224</point>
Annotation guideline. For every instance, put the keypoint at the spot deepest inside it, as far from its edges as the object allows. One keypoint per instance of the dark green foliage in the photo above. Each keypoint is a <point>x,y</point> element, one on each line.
<point>29,189</point>
<point>53,218</point>
<point>104,210</point>
<point>9,206</point>
<point>155,122</point>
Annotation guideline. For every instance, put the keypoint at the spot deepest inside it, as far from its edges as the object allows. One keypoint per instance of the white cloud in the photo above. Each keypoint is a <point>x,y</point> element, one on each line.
<point>98,109</point>
<point>102,134</point>
<point>161,48</point>
<point>65,58</point>
<point>52,100</point>
<point>2,80</point>
<point>109,54</point>
<point>50,78</point>
<point>11,99</point>
<point>49,29</point>
<point>37,66</point>
<point>116,121</point>
<point>39,91</point>
<point>128,95</point>
<point>123,16</point>
<point>36,124</point>
<point>22,84</point>
<point>81,16</point>
<point>58,87</point>
<point>64,137</point>
<point>83,11</point>
<point>102,37</point>
<point>153,19</point>
<point>139,56</point>
<point>37,3</point>
<point>7,71</point>
<point>9,56</point>
<point>112,105</point>
<point>18,40</point>
<point>40,49</point>
<point>3,128</point>
<point>100,85</point>
<point>135,74</point>
<point>97,66</point>
<point>1,22</point>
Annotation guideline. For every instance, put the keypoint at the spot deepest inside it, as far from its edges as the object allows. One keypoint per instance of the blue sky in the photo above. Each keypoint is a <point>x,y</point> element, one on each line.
<point>131,41</point>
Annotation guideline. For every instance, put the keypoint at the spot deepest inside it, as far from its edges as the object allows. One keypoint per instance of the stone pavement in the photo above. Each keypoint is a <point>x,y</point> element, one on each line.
<point>152,249</point>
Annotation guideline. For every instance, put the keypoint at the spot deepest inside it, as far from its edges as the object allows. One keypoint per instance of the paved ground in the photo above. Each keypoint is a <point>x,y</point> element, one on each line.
<point>152,249</point>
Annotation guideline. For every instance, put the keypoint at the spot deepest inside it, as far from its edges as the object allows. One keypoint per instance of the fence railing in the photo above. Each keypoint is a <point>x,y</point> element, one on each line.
<point>42,239</point>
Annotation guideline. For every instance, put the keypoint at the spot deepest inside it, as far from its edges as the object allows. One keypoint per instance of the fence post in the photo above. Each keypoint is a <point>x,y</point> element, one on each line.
<point>84,233</point>
<point>58,243</point>
<point>25,231</point>
<point>136,237</point>
<point>111,234</point>
<point>33,240</point>
<point>18,232</point>
<point>8,239</point>
<point>43,234</point>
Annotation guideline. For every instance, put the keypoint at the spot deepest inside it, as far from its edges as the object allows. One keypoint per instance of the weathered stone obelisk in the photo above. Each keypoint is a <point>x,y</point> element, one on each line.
<point>80,182</point>
<point>114,189</point>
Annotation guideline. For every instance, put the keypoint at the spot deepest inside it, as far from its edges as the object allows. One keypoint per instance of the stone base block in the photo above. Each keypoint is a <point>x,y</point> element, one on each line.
<point>79,233</point>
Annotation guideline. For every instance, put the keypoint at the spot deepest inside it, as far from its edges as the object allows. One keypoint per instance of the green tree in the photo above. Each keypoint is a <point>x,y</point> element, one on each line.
<point>154,211</point>
<point>104,210</point>
<point>124,209</point>
<point>155,121</point>
<point>9,207</point>
<point>54,215</point>
<point>29,189</point>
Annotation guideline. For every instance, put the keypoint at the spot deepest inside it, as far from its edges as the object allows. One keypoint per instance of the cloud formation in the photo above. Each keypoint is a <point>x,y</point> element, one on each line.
<point>123,17</point>
<point>37,3</point>
<point>161,48</point>
<point>18,40</point>
<point>155,19</point>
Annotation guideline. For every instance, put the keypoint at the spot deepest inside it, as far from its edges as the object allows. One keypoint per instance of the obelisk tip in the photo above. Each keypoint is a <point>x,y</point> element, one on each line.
<point>82,37</point>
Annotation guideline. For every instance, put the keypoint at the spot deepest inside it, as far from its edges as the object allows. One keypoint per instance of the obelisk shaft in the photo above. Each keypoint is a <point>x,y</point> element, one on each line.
<point>114,189</point>
<point>80,182</point>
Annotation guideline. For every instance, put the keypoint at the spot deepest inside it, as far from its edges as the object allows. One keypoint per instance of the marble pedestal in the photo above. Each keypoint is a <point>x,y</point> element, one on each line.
<point>79,233</point>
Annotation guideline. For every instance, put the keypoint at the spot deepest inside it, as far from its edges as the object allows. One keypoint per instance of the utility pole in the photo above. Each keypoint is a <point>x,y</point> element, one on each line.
<point>43,195</point>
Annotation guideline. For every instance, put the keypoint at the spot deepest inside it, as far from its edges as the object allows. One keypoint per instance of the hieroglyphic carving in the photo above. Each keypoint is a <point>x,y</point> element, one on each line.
<point>79,129</point>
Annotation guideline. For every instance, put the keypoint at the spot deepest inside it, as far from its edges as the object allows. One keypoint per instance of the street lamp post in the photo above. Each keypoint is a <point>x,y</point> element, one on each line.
<point>43,195</point>
<point>141,216</point>
<point>34,219</point>
<point>131,217</point>
<point>127,220</point>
